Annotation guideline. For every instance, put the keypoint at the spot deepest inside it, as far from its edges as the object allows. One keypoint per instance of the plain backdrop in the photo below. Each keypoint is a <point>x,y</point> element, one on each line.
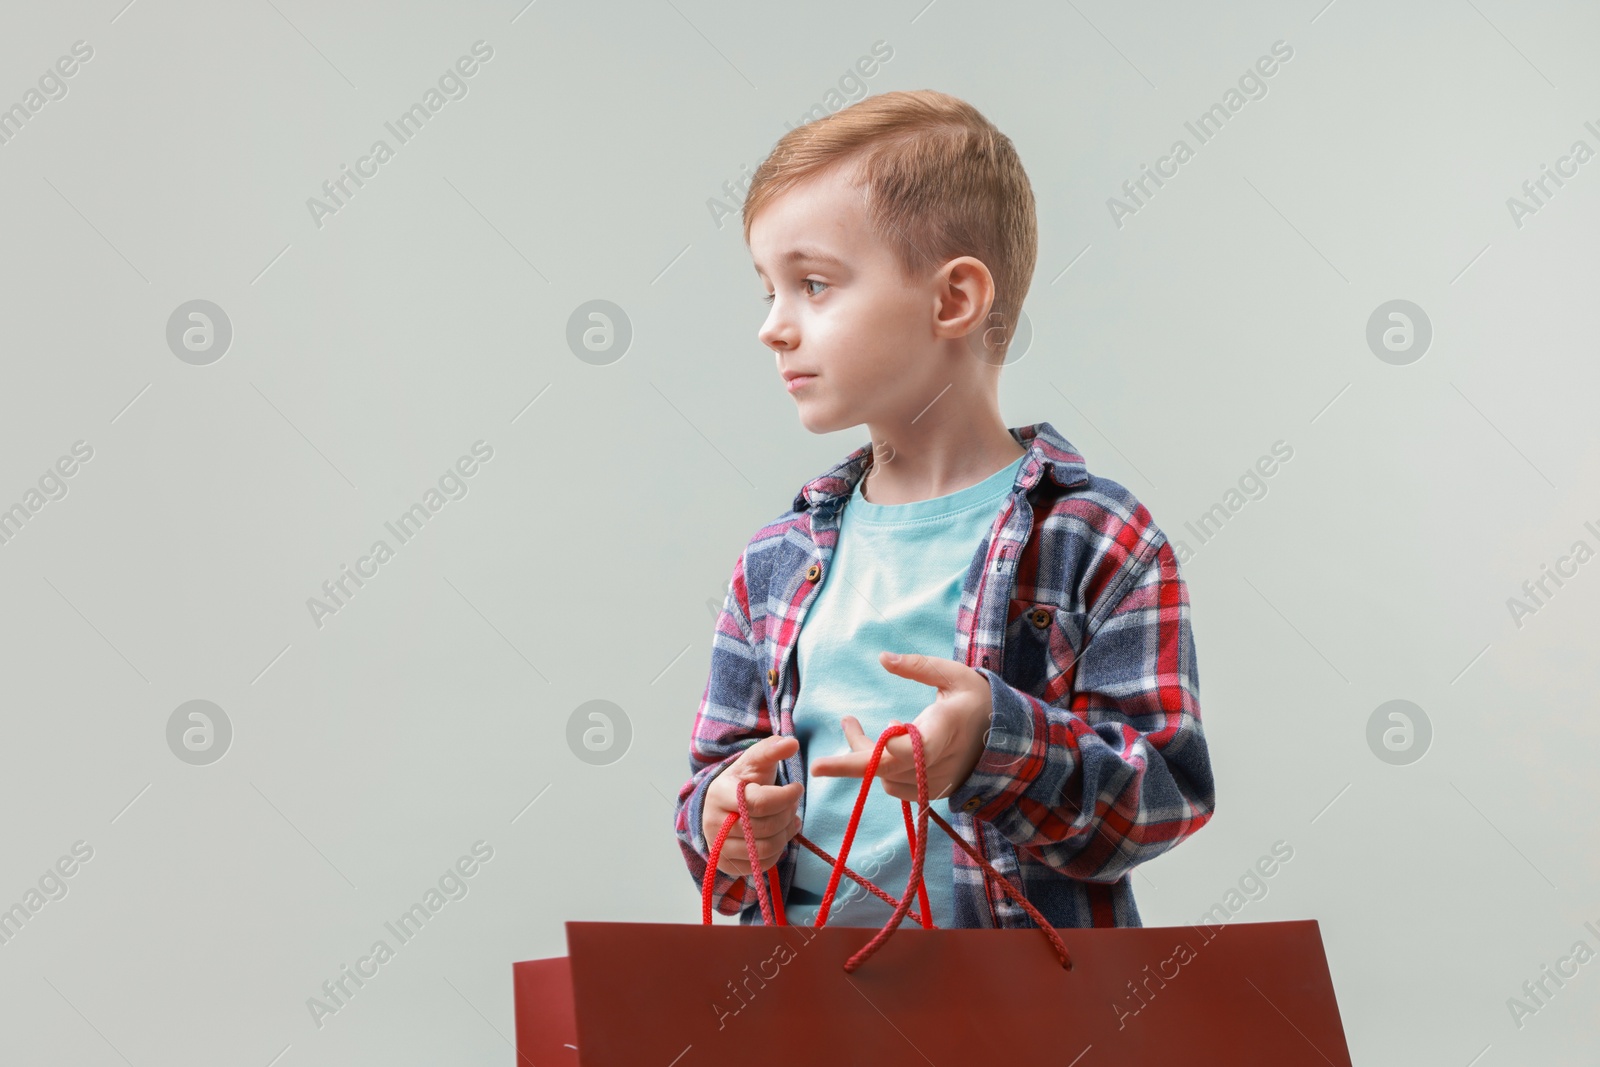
<point>599,154</point>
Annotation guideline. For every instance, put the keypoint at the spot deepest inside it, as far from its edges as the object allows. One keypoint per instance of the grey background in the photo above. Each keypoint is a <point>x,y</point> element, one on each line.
<point>587,556</point>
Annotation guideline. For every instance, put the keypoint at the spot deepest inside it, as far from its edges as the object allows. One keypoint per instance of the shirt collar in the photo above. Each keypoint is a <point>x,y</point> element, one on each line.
<point>1048,452</point>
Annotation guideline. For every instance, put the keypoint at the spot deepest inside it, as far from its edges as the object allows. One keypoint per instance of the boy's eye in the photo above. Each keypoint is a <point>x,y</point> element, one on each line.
<point>807,281</point>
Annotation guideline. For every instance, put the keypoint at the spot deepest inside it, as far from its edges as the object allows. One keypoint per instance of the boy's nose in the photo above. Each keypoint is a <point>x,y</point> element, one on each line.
<point>777,334</point>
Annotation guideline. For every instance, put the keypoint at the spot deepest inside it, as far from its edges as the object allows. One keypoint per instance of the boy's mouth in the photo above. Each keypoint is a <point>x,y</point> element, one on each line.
<point>798,382</point>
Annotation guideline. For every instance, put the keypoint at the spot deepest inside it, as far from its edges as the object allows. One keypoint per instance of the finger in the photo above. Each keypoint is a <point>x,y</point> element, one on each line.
<point>942,674</point>
<point>898,793</point>
<point>759,763</point>
<point>854,735</point>
<point>769,848</point>
<point>763,827</point>
<point>849,766</point>
<point>768,806</point>
<point>770,800</point>
<point>735,858</point>
<point>896,755</point>
<point>895,761</point>
<point>768,851</point>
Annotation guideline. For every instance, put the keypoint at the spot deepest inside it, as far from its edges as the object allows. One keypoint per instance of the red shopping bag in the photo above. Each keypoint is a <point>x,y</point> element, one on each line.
<point>676,994</point>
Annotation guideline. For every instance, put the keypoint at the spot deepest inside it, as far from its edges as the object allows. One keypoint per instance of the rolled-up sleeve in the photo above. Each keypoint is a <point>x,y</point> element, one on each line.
<point>733,715</point>
<point>1116,771</point>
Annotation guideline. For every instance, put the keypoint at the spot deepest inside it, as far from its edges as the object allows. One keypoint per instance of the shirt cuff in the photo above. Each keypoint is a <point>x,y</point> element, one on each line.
<point>1012,753</point>
<point>696,814</point>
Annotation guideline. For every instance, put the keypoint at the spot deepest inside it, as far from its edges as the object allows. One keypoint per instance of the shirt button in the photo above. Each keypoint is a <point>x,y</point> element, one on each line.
<point>814,572</point>
<point>973,805</point>
<point>772,677</point>
<point>1040,618</point>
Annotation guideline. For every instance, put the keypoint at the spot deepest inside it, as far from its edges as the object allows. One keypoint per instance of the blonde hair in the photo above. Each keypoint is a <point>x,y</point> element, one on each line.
<point>940,181</point>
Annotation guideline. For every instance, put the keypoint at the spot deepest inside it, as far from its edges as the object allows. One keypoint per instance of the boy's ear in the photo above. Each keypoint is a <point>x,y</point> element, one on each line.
<point>965,293</point>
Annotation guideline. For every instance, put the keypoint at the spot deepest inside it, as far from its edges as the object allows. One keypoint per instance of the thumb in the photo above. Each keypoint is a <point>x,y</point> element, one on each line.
<point>920,667</point>
<point>905,664</point>
<point>760,761</point>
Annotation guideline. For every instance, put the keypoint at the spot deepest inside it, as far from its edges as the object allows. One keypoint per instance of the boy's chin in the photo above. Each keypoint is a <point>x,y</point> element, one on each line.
<point>817,421</point>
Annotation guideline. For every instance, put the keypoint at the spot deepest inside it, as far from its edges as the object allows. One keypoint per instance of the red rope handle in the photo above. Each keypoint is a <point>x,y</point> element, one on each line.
<point>709,882</point>
<point>917,837</point>
<point>925,917</point>
<point>863,883</point>
<point>743,816</point>
<point>912,837</point>
<point>919,843</point>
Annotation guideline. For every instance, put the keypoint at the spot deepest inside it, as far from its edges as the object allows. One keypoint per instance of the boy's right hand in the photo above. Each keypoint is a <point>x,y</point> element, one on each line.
<point>773,808</point>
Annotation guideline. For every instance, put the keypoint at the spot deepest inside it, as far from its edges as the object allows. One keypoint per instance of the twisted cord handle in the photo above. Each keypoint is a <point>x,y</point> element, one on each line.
<point>918,839</point>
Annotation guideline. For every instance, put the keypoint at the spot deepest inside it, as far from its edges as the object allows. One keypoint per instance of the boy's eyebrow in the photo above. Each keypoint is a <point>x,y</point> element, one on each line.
<point>807,254</point>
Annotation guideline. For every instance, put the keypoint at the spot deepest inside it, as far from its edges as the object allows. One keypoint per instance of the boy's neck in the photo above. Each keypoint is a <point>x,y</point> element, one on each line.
<point>930,458</point>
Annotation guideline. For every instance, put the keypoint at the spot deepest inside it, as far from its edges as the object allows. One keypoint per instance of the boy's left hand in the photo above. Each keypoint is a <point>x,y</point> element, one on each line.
<point>952,727</point>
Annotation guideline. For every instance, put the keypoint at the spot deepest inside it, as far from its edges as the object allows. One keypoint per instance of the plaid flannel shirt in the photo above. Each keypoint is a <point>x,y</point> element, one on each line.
<point>1074,612</point>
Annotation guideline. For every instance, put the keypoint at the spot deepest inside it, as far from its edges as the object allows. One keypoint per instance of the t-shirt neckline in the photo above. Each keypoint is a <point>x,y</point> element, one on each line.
<point>990,489</point>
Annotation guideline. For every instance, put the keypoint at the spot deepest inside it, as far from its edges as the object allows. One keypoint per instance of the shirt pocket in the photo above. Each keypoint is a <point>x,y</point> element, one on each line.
<point>1043,641</point>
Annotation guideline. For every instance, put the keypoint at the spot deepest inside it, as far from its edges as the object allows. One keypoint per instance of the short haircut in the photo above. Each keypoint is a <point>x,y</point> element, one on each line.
<point>940,181</point>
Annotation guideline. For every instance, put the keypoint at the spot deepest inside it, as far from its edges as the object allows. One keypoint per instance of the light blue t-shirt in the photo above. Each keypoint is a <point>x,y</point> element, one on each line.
<point>894,585</point>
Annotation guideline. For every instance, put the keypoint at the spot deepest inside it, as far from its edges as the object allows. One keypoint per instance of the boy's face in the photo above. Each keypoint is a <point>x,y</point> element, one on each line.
<point>852,321</point>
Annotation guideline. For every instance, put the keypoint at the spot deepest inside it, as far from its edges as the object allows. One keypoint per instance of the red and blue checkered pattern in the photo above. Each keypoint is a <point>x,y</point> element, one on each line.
<point>1074,611</point>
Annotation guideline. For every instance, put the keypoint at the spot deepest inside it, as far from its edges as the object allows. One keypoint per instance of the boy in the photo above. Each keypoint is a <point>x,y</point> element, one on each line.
<point>897,239</point>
